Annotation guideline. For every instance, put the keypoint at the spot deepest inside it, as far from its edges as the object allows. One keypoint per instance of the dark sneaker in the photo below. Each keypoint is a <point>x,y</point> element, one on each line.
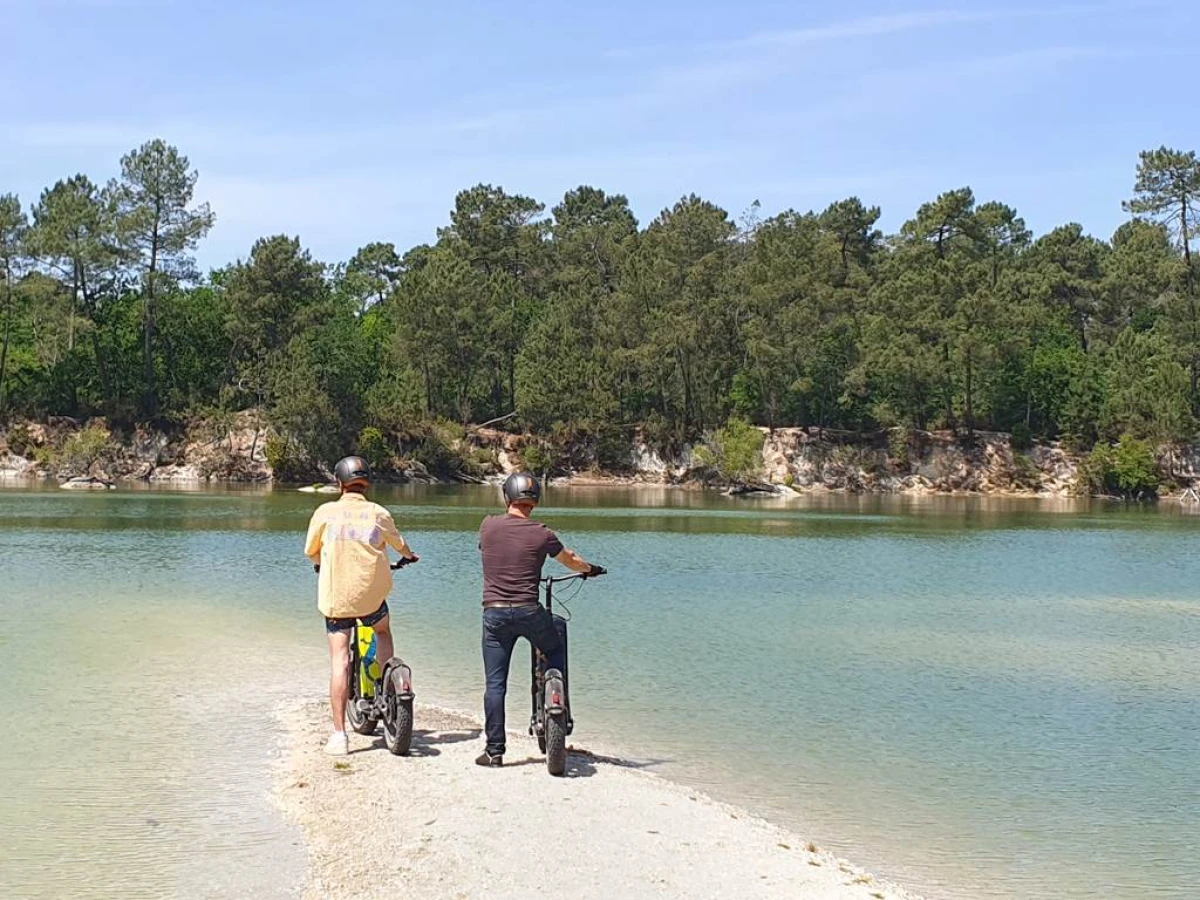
<point>486,759</point>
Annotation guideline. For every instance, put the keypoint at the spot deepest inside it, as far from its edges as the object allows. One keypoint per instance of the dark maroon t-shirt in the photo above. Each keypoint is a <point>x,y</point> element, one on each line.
<point>514,550</point>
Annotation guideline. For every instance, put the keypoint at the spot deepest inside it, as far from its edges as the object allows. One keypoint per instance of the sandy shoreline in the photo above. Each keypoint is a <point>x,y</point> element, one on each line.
<point>439,826</point>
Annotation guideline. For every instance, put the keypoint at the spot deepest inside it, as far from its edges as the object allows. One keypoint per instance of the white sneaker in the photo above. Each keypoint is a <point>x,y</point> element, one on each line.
<point>338,744</point>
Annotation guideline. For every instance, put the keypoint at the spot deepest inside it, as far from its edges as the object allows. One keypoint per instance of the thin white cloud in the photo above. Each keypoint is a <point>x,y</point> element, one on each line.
<point>769,55</point>
<point>871,26</point>
<point>895,88</point>
<point>874,26</point>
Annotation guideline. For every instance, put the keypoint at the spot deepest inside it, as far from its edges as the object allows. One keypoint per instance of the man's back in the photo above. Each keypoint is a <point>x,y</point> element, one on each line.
<point>514,549</point>
<point>348,537</point>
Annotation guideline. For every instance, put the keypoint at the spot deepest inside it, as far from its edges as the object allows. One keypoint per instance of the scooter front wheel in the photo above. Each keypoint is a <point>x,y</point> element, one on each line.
<point>359,721</point>
<point>398,709</point>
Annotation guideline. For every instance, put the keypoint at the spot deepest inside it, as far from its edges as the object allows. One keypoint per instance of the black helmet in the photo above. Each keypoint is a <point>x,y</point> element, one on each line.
<point>352,469</point>
<point>522,486</point>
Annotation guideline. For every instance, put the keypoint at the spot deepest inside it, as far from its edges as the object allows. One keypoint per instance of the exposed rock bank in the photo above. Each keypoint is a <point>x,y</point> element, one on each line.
<point>793,460</point>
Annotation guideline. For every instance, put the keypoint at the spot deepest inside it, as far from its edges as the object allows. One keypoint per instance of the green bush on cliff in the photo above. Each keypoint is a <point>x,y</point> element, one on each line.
<point>1125,469</point>
<point>733,452</point>
<point>78,452</point>
<point>540,457</point>
<point>85,448</point>
<point>20,440</point>
<point>373,448</point>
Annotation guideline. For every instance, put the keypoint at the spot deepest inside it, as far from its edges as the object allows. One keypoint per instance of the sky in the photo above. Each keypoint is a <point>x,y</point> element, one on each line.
<point>351,122</point>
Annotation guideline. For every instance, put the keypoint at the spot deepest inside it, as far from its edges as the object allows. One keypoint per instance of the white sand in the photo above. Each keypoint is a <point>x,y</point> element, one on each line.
<point>435,825</point>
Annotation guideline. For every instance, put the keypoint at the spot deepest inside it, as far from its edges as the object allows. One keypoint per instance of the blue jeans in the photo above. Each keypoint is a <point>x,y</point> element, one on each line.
<point>501,628</point>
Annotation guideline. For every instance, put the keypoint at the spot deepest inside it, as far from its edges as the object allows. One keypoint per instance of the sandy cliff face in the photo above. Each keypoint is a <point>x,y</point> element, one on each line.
<point>924,462</point>
<point>797,458</point>
<point>60,450</point>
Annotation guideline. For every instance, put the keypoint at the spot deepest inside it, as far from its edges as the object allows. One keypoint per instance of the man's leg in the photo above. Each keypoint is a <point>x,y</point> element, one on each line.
<point>540,629</point>
<point>384,645</point>
<point>498,642</point>
<point>339,675</point>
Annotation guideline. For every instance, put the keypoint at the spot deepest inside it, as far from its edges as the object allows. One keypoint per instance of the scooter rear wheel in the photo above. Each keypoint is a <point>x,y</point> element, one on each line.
<point>556,743</point>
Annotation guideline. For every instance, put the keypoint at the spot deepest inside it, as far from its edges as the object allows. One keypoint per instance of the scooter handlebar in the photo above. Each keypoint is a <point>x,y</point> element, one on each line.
<point>398,564</point>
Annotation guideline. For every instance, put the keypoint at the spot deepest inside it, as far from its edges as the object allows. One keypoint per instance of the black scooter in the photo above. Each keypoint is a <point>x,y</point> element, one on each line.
<point>551,721</point>
<point>380,696</point>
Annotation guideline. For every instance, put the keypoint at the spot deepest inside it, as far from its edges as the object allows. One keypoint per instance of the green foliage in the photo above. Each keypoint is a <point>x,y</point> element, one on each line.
<point>372,447</point>
<point>1148,389</point>
<point>613,449</point>
<point>79,451</point>
<point>1026,474</point>
<point>540,457</point>
<point>585,328</point>
<point>156,230</point>
<point>900,441</point>
<point>20,440</point>
<point>440,447</point>
<point>1022,436</point>
<point>1125,469</point>
<point>734,451</point>
<point>13,235</point>
<point>278,455</point>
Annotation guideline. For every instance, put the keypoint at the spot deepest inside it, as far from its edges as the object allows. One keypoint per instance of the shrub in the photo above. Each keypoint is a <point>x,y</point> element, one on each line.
<point>734,452</point>
<point>278,455</point>
<point>311,427</point>
<point>480,461</point>
<point>540,457</point>
<point>20,440</point>
<point>1025,472</point>
<point>900,446</point>
<point>1127,469</point>
<point>84,449</point>
<point>614,450</point>
<point>372,447</point>
<point>789,480</point>
<point>440,447</point>
<point>1021,437</point>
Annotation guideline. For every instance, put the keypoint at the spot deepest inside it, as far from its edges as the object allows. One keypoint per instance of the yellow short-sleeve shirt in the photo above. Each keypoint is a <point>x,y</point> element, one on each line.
<point>349,539</point>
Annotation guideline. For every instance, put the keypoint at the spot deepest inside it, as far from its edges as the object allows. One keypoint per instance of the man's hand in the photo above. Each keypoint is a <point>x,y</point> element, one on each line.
<point>577,563</point>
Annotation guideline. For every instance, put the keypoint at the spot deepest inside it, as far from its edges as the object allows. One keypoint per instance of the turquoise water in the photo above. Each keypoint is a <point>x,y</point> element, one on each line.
<point>975,698</point>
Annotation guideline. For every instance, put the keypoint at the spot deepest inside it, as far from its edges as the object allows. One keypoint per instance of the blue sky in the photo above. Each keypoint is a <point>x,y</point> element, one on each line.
<point>349,122</point>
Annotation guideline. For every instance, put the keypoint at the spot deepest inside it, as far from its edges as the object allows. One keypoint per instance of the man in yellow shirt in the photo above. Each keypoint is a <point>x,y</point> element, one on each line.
<point>347,542</point>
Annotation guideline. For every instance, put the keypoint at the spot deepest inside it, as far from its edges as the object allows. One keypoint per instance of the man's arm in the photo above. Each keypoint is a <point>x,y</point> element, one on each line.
<point>393,538</point>
<point>573,560</point>
<point>312,543</point>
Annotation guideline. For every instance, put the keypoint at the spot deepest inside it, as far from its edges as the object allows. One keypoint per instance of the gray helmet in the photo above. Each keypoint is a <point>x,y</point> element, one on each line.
<point>352,469</point>
<point>522,486</point>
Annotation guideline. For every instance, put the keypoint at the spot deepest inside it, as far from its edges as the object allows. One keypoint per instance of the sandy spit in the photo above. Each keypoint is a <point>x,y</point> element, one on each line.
<point>435,825</point>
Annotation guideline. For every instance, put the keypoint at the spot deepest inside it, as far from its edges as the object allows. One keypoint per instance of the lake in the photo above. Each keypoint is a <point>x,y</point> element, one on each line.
<point>973,697</point>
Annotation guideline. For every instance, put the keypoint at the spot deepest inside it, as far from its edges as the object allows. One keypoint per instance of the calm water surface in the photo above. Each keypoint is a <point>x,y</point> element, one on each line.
<point>975,698</point>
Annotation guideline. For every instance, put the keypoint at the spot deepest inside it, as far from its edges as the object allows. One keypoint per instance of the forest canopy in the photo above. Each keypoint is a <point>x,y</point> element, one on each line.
<point>578,319</point>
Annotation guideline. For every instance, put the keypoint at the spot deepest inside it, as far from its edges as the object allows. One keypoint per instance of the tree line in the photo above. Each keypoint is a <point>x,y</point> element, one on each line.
<point>581,322</point>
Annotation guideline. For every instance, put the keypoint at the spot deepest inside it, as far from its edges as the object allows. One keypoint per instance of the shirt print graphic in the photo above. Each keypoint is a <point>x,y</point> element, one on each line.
<point>359,527</point>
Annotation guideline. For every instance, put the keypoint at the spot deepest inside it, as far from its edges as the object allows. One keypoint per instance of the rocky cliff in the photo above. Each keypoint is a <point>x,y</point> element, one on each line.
<point>796,459</point>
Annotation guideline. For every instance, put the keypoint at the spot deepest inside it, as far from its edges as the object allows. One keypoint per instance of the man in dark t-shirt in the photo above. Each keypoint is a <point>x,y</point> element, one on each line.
<point>514,548</point>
